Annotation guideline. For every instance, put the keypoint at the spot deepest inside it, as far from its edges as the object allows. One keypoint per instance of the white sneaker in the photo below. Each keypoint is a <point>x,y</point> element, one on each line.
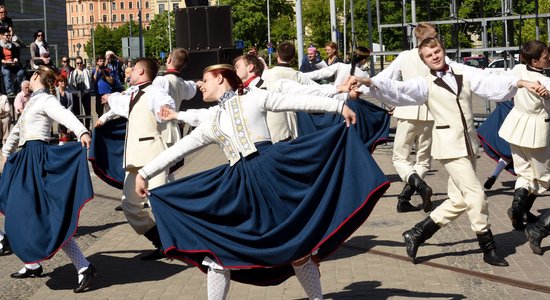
<point>61,143</point>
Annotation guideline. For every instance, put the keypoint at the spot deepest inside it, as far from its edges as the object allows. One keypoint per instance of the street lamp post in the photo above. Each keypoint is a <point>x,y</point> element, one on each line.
<point>169,30</point>
<point>268,34</point>
<point>141,54</point>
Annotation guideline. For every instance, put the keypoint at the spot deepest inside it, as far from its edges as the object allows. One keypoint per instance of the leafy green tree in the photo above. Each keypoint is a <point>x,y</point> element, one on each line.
<point>156,37</point>
<point>250,21</point>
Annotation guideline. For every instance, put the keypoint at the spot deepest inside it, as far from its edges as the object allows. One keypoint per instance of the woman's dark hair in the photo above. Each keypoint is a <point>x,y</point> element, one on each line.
<point>35,34</point>
<point>228,73</point>
<point>358,55</point>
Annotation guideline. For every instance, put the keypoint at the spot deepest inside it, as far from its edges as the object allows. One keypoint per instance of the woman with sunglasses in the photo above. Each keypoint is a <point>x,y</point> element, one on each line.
<point>43,187</point>
<point>40,51</point>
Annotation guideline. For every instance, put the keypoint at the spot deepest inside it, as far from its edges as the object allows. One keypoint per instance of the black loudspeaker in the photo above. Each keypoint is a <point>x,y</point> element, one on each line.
<point>220,34</point>
<point>199,60</point>
<point>190,3</point>
<point>204,27</point>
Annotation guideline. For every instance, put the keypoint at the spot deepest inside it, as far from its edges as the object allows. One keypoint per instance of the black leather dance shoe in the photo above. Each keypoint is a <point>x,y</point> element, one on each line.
<point>88,277</point>
<point>28,273</point>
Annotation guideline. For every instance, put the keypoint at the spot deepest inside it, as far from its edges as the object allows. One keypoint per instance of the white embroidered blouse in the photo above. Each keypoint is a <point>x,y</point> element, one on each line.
<point>236,124</point>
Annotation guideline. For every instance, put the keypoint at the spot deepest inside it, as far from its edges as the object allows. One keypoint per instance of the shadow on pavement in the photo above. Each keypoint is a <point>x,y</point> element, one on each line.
<point>373,290</point>
<point>113,270</point>
<point>85,230</point>
<point>358,245</point>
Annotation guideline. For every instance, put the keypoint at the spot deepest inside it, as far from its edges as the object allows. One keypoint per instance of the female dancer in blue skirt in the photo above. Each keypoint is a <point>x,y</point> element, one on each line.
<point>261,218</point>
<point>43,187</point>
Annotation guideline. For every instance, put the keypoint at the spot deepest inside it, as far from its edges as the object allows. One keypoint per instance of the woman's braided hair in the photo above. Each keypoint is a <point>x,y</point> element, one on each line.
<point>47,78</point>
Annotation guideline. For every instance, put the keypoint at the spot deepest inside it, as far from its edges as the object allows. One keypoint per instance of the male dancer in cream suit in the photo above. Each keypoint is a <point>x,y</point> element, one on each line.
<point>276,121</point>
<point>527,129</point>
<point>447,92</point>
<point>414,127</point>
<point>144,141</point>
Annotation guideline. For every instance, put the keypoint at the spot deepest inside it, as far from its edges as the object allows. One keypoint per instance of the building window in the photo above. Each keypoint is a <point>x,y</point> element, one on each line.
<point>91,19</point>
<point>82,19</point>
<point>72,20</point>
<point>114,5</point>
<point>71,8</point>
<point>104,18</point>
<point>147,17</point>
<point>77,32</point>
<point>114,18</point>
<point>130,5</point>
<point>92,32</point>
<point>104,6</point>
<point>91,6</point>
<point>76,8</point>
<point>175,6</point>
<point>121,5</point>
<point>162,8</point>
<point>131,16</point>
<point>122,18</point>
<point>147,4</point>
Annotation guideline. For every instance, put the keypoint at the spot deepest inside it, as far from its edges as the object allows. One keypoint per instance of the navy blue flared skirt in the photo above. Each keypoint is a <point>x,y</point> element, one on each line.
<point>373,122</point>
<point>495,146</point>
<point>272,207</point>
<point>107,152</point>
<point>42,190</point>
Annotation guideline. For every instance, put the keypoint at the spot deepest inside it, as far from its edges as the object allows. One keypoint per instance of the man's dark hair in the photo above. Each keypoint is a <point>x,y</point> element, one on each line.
<point>179,58</point>
<point>150,66</point>
<point>252,59</point>
<point>286,51</point>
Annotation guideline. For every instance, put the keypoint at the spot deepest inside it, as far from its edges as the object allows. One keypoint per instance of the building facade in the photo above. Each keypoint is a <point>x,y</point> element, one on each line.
<point>84,15</point>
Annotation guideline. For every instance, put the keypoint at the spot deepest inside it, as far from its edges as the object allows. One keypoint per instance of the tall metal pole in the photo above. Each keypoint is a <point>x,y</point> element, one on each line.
<point>537,28</point>
<point>352,19</point>
<point>93,43</point>
<point>45,19</point>
<point>379,33</point>
<point>405,35</point>
<point>345,38</point>
<point>268,33</point>
<point>169,29</point>
<point>369,21</point>
<point>141,54</point>
<point>333,20</point>
<point>299,32</point>
<point>413,19</point>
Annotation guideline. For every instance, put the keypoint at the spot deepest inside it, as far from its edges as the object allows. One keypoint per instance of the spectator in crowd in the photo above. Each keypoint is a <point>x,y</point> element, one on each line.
<point>66,100</point>
<point>313,58</point>
<point>6,22</point>
<point>332,53</point>
<point>81,80</point>
<point>127,72</point>
<point>22,98</point>
<point>115,63</point>
<point>66,67</point>
<point>103,81</point>
<point>11,66</point>
<point>40,51</point>
<point>5,113</point>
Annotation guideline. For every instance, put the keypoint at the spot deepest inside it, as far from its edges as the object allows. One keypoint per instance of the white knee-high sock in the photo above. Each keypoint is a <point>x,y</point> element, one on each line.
<point>500,166</point>
<point>76,256</point>
<point>308,276</point>
<point>218,284</point>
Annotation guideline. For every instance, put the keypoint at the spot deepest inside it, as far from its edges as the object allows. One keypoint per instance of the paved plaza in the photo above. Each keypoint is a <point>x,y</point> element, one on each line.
<point>371,264</point>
